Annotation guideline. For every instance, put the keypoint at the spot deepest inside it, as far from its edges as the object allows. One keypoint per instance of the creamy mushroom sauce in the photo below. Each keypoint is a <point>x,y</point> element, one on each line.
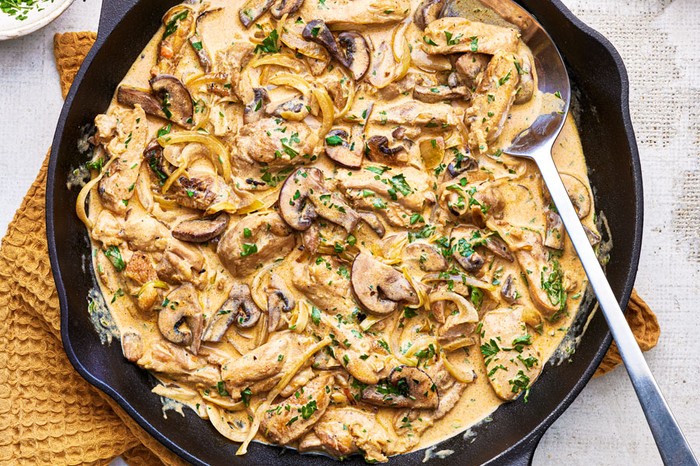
<point>306,229</point>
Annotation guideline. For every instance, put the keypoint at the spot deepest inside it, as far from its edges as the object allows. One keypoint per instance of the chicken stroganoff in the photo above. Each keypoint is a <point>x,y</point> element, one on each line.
<point>305,228</point>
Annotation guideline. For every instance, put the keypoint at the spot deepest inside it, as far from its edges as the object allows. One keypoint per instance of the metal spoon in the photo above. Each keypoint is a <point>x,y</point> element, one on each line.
<point>536,143</point>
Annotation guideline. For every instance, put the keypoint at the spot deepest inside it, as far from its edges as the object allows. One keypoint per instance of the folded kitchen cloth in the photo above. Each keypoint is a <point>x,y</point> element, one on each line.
<point>48,413</point>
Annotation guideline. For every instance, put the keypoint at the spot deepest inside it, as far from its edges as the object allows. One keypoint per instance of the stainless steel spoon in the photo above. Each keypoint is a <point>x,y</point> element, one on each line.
<point>536,143</point>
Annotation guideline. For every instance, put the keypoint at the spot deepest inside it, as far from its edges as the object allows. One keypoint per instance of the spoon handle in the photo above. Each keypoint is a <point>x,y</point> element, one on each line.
<point>669,438</point>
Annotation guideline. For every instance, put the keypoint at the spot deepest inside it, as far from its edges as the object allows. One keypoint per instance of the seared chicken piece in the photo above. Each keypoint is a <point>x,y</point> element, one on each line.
<point>358,353</point>
<point>454,35</point>
<point>231,60</point>
<point>492,101</point>
<point>140,271</point>
<point>292,417</point>
<point>413,113</point>
<point>351,14</point>
<point>254,240</point>
<point>128,140</point>
<point>276,142</point>
<point>344,431</point>
<point>326,282</point>
<point>395,196</point>
<point>177,363</point>
<point>512,363</point>
<point>260,370</point>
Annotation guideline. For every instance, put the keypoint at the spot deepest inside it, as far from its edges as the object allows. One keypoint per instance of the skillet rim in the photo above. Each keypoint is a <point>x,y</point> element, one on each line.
<point>522,451</point>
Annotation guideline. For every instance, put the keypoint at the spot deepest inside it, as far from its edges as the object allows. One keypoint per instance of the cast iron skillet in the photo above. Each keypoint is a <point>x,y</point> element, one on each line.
<point>601,84</point>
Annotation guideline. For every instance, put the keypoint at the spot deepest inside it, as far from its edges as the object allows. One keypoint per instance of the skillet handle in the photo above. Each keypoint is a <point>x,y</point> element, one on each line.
<point>113,11</point>
<point>520,455</point>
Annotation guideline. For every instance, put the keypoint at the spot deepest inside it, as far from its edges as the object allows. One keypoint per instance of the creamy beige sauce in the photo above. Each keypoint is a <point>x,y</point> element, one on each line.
<point>523,208</point>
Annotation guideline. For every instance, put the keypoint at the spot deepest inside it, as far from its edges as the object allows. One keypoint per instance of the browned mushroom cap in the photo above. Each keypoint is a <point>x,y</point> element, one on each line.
<point>356,50</point>
<point>176,99</point>
<point>509,290</point>
<point>373,221</point>
<point>181,320</point>
<point>350,50</point>
<point>578,193</point>
<point>285,7</point>
<point>427,12</point>
<point>239,308</point>
<point>462,163</point>
<point>131,97</point>
<point>279,300</point>
<point>255,109</point>
<point>252,10</point>
<point>304,197</point>
<point>379,287</point>
<point>434,94</point>
<point>406,387</point>
<point>201,230</point>
<point>377,150</point>
<point>294,109</point>
<point>341,151</point>
<point>593,237</point>
<point>554,235</point>
<point>497,246</point>
<point>429,258</point>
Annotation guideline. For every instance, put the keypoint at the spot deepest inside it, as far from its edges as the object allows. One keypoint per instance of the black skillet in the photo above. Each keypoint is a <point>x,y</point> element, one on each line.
<point>601,86</point>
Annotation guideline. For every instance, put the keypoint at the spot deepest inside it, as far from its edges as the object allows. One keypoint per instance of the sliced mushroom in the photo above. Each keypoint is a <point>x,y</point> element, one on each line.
<point>509,290</point>
<point>254,111</point>
<point>304,198</point>
<point>295,109</point>
<point>285,7</point>
<point>201,230</point>
<point>471,263</point>
<point>470,65</point>
<point>462,163</point>
<point>427,12</point>
<point>357,58</point>
<point>176,99</point>
<point>593,237</point>
<point>279,300</point>
<point>350,49</point>
<point>377,150</point>
<point>371,219</point>
<point>497,246</point>
<point>340,150</point>
<point>131,97</point>
<point>181,320</point>
<point>527,82</point>
<point>429,258</point>
<point>198,45</point>
<point>433,94</point>
<point>406,387</point>
<point>554,235</point>
<point>239,308</point>
<point>379,287</point>
<point>252,10</point>
<point>579,194</point>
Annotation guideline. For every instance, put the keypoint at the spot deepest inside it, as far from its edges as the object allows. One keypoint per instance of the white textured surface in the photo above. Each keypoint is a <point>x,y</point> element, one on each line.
<point>658,41</point>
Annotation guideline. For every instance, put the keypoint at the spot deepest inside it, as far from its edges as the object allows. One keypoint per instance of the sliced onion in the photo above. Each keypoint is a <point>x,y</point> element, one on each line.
<point>283,61</point>
<point>217,150</point>
<point>465,307</point>
<point>219,419</point>
<point>152,284</point>
<point>463,279</point>
<point>293,81</point>
<point>327,110</point>
<point>82,196</point>
<point>260,411</point>
<point>458,374</point>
